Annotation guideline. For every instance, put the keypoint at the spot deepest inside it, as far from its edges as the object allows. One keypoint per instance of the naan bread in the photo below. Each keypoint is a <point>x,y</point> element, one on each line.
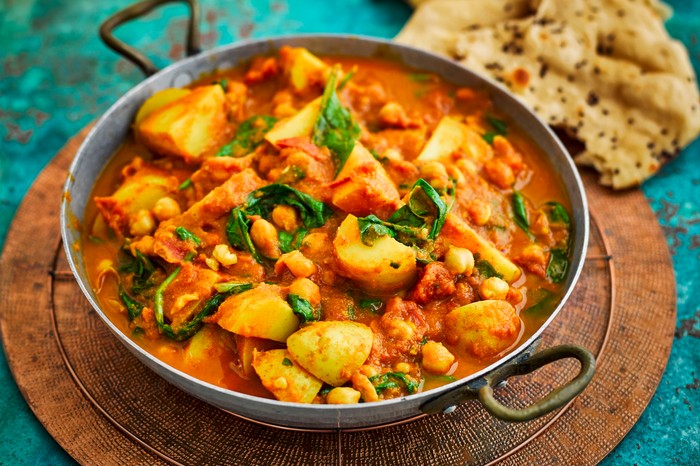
<point>605,71</point>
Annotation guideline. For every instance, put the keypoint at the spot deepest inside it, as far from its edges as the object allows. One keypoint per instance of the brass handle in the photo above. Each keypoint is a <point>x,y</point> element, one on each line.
<point>138,10</point>
<point>552,401</point>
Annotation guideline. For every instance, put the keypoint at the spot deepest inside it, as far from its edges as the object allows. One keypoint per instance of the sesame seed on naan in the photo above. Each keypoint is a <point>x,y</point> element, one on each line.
<point>605,71</point>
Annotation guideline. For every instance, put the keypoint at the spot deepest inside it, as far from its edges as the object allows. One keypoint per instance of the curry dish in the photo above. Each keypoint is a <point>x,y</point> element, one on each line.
<point>327,230</point>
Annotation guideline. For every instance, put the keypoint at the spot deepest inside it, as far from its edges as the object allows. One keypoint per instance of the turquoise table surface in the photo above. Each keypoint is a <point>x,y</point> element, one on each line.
<point>56,76</point>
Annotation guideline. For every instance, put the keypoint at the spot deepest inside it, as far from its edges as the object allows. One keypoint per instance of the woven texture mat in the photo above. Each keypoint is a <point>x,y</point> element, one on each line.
<point>104,407</point>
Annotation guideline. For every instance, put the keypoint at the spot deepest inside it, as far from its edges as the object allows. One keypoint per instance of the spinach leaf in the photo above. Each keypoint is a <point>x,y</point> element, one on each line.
<point>287,362</point>
<point>188,329</point>
<point>133,307</point>
<point>302,308</point>
<point>520,214</point>
<point>558,214</point>
<point>186,235</point>
<point>261,202</point>
<point>142,269</point>
<point>335,127</point>
<point>238,234</point>
<point>290,242</point>
<point>424,205</point>
<point>485,268</point>
<point>233,287</point>
<point>499,128</point>
<point>348,76</point>
<point>372,227</point>
<point>371,304</point>
<point>420,77</point>
<point>185,184</point>
<point>250,134</point>
<point>223,83</point>
<point>383,381</point>
<point>558,264</point>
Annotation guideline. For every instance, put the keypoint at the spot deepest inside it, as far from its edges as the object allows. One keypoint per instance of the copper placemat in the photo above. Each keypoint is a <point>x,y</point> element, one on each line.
<point>104,407</point>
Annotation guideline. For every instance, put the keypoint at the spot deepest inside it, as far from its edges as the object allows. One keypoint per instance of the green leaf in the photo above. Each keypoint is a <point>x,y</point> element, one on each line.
<point>233,287</point>
<point>185,184</point>
<point>347,78</point>
<point>142,270</point>
<point>486,269</point>
<point>186,235</point>
<point>290,242</point>
<point>558,265</point>
<point>238,235</point>
<point>287,362</point>
<point>520,214</point>
<point>223,83</point>
<point>558,214</point>
<point>250,134</point>
<point>420,77</point>
<point>133,307</point>
<point>262,201</point>
<point>425,206</point>
<point>302,308</point>
<point>371,304</point>
<point>500,128</point>
<point>335,127</point>
<point>383,381</point>
<point>371,228</point>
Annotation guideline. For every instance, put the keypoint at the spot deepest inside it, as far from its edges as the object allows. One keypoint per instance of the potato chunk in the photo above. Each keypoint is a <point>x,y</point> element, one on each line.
<point>247,346</point>
<point>261,312</point>
<point>158,100</point>
<point>187,127</point>
<point>284,378</point>
<point>303,69</point>
<point>331,351</point>
<point>484,328</point>
<point>298,125</point>
<point>384,267</point>
<point>461,235</point>
<point>363,187</point>
<point>452,137</point>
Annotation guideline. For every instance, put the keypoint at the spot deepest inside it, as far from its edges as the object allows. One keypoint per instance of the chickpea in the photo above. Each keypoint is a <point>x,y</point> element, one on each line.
<point>166,208</point>
<point>224,255</point>
<point>403,367</point>
<point>142,223</point>
<point>466,166</point>
<point>286,218</point>
<point>305,288</point>
<point>297,263</point>
<point>368,370</point>
<point>479,212</point>
<point>362,384</point>
<point>499,173</point>
<point>399,329</point>
<point>454,173</point>
<point>436,174</point>
<point>343,396</point>
<point>494,288</point>
<point>212,263</point>
<point>264,236</point>
<point>459,261</point>
<point>436,358</point>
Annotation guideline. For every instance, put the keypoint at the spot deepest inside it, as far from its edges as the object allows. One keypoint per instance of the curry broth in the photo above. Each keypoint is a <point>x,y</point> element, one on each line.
<point>424,94</point>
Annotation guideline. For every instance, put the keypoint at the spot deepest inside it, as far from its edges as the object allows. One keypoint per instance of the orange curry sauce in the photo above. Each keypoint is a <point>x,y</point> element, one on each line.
<point>397,109</point>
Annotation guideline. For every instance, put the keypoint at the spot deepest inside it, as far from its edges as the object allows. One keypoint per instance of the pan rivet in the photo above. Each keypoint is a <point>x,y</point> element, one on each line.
<point>449,410</point>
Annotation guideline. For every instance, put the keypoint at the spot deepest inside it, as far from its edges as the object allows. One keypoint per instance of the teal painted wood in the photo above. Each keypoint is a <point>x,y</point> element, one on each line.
<point>56,76</point>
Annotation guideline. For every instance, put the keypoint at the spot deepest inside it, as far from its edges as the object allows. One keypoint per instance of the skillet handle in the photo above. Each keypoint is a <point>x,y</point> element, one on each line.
<point>552,401</point>
<point>141,9</point>
<point>555,399</point>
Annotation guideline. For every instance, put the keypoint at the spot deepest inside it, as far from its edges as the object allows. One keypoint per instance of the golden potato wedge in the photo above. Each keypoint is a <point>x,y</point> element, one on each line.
<point>302,68</point>
<point>363,187</point>
<point>462,235</point>
<point>261,312</point>
<point>285,378</point>
<point>158,100</point>
<point>331,351</point>
<point>450,137</point>
<point>298,125</point>
<point>247,346</point>
<point>484,328</point>
<point>384,267</point>
<point>188,127</point>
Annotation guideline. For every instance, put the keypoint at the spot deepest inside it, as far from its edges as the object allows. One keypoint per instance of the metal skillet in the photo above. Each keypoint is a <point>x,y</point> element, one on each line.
<point>114,126</point>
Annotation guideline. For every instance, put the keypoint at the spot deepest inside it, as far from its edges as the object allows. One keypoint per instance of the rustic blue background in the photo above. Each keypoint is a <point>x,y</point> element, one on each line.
<point>57,77</point>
